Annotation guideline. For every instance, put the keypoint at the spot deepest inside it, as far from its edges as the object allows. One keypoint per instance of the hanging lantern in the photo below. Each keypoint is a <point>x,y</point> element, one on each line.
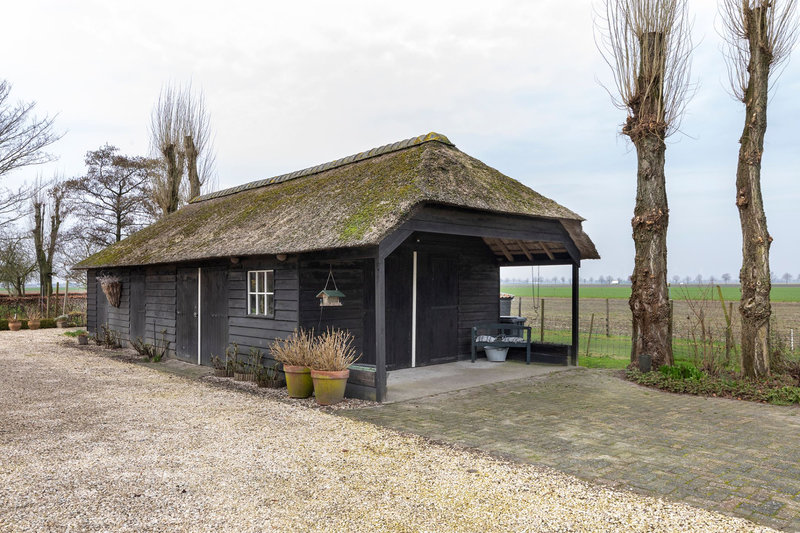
<point>330,297</point>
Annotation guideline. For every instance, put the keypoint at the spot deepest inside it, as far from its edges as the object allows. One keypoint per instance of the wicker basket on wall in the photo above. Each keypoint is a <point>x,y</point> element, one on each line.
<point>112,288</point>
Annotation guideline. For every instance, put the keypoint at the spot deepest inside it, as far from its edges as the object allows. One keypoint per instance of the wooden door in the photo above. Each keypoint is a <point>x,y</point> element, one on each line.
<point>186,315</point>
<point>214,314</point>
<point>399,275</point>
<point>138,311</point>
<point>437,309</point>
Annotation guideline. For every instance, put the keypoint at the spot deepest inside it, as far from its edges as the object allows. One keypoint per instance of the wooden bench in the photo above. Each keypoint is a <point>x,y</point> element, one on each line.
<point>498,331</point>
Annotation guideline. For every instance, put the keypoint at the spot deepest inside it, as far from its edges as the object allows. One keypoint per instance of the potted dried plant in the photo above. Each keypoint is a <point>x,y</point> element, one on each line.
<point>14,323</point>
<point>61,321</point>
<point>294,353</point>
<point>220,366</point>
<point>112,288</point>
<point>34,314</point>
<point>83,338</point>
<point>330,366</point>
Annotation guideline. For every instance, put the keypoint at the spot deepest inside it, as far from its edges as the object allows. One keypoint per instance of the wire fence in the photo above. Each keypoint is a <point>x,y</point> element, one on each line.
<point>704,332</point>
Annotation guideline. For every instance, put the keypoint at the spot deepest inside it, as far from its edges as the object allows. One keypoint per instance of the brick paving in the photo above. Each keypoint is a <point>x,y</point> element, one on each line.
<point>738,458</point>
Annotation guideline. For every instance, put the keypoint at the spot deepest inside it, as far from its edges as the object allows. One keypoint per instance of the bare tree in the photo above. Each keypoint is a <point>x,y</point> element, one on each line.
<point>16,263</point>
<point>647,44</point>
<point>115,194</point>
<point>760,36</point>
<point>11,203</point>
<point>48,200</point>
<point>180,132</point>
<point>726,278</point>
<point>23,136</point>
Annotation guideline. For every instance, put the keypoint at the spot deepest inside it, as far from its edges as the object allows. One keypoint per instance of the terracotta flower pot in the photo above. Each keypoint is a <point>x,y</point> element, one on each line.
<point>329,385</point>
<point>34,323</point>
<point>15,325</point>
<point>298,381</point>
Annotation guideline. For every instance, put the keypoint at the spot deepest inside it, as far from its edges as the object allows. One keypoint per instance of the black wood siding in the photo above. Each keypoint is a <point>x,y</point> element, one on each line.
<point>355,280</point>
<point>91,301</point>
<point>258,332</point>
<point>160,293</point>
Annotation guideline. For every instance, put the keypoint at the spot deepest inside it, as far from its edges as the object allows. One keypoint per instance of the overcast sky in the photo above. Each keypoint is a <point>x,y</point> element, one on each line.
<point>515,84</point>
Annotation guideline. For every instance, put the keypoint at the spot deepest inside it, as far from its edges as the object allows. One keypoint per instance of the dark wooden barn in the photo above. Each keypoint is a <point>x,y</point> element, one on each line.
<point>414,234</point>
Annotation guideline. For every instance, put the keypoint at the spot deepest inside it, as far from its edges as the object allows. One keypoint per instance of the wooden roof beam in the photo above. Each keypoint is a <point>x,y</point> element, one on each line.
<point>525,250</point>
<point>505,250</point>
<point>547,251</point>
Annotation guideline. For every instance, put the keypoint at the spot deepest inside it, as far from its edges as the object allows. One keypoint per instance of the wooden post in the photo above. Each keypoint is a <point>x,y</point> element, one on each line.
<point>608,329</point>
<point>519,306</point>
<point>64,304</point>
<point>380,329</point>
<point>541,322</point>
<point>575,311</point>
<point>55,303</point>
<point>669,331</point>
<point>589,342</point>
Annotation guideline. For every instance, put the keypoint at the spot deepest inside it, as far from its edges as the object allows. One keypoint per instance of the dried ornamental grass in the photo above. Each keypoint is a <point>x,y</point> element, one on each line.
<point>295,350</point>
<point>334,351</point>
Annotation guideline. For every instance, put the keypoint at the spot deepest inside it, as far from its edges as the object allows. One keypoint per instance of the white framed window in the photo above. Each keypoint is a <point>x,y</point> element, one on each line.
<point>261,293</point>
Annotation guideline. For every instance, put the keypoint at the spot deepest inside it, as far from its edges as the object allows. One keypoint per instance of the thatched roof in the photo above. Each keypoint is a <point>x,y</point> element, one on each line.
<point>352,202</point>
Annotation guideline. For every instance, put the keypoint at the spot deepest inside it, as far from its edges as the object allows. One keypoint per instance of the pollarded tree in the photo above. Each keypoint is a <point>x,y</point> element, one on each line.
<point>49,201</point>
<point>760,35</point>
<point>180,132</point>
<point>647,44</point>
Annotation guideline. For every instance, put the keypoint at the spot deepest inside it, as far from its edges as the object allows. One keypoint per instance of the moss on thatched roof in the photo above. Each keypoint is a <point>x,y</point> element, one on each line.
<point>351,202</point>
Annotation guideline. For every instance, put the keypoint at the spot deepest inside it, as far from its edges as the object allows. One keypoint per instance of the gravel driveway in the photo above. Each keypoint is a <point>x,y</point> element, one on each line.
<point>88,442</point>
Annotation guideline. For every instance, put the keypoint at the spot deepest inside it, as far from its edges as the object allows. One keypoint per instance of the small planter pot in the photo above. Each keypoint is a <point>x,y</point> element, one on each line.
<point>329,385</point>
<point>15,325</point>
<point>83,340</point>
<point>34,323</point>
<point>220,372</point>
<point>298,381</point>
<point>61,324</point>
<point>242,376</point>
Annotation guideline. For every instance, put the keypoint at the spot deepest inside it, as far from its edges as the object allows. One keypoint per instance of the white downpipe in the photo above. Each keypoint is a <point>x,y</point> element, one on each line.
<point>414,314</point>
<point>199,312</point>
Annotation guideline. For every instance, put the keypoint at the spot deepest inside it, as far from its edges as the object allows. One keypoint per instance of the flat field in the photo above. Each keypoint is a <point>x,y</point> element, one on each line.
<point>780,293</point>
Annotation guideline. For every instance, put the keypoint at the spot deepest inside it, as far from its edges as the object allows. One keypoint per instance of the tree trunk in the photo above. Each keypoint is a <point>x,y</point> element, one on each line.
<point>754,275</point>
<point>649,301</point>
<point>191,166</point>
<point>173,179</point>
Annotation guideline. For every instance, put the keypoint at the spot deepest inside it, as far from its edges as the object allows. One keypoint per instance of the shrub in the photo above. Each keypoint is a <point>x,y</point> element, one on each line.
<point>681,372</point>
<point>107,338</point>
<point>153,352</point>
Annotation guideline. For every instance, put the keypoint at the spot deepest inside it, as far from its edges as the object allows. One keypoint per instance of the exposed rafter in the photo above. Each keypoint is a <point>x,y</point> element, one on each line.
<point>506,252</point>
<point>547,251</point>
<point>525,250</point>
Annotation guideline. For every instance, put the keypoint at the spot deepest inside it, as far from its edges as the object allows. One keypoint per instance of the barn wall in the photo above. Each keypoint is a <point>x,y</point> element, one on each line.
<point>117,317</point>
<point>160,294</point>
<point>478,289</point>
<point>91,301</point>
<point>257,332</point>
<point>355,279</point>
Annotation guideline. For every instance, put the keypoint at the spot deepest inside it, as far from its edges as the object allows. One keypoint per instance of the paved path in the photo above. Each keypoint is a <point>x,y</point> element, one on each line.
<point>736,457</point>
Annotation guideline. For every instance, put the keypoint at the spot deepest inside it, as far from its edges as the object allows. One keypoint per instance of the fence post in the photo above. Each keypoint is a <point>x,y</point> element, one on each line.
<point>669,347</point>
<point>608,330</point>
<point>519,306</point>
<point>541,322</point>
<point>589,342</point>
<point>64,303</point>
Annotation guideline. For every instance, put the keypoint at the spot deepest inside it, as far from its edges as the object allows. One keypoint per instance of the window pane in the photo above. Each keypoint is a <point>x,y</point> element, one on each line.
<point>261,305</point>
<point>252,309</point>
<point>270,281</point>
<point>261,284</point>
<point>270,305</point>
<point>252,282</point>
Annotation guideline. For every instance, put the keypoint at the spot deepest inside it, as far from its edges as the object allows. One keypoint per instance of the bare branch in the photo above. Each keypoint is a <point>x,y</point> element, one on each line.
<point>774,33</point>
<point>23,136</point>
<point>647,44</point>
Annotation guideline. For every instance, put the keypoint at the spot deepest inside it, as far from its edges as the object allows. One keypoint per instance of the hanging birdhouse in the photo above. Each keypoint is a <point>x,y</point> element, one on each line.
<point>330,297</point>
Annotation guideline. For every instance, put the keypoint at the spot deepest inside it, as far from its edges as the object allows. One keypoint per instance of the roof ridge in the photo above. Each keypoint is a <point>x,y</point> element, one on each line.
<point>355,158</point>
